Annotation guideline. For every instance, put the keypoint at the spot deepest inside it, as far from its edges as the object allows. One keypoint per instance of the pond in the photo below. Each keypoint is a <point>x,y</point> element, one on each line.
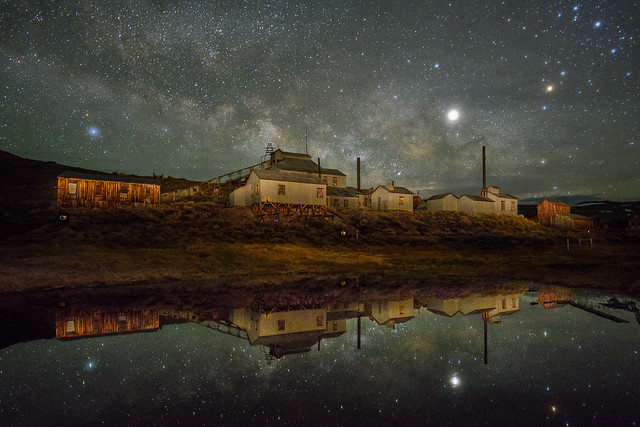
<point>549,355</point>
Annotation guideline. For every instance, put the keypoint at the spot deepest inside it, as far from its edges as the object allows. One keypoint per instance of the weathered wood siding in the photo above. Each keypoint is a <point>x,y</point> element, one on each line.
<point>446,203</point>
<point>90,193</point>
<point>547,209</point>
<point>87,322</point>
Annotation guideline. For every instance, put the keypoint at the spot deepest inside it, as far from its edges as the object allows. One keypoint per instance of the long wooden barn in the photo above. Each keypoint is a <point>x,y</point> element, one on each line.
<point>86,190</point>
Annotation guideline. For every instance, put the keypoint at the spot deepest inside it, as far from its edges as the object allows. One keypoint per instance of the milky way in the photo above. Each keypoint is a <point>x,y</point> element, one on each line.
<point>196,90</point>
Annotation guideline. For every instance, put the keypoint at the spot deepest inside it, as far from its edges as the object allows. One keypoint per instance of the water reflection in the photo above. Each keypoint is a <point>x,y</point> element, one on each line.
<point>347,354</point>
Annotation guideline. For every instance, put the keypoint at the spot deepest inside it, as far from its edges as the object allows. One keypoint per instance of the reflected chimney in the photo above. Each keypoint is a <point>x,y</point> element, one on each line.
<point>358,173</point>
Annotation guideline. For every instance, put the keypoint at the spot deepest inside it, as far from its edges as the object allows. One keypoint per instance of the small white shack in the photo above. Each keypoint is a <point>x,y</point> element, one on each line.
<point>348,197</point>
<point>504,204</point>
<point>391,198</point>
<point>475,205</point>
<point>280,187</point>
<point>443,202</point>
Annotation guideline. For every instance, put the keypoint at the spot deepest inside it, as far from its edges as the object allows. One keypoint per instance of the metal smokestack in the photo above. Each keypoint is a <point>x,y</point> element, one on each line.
<point>484,173</point>
<point>319,170</point>
<point>358,173</point>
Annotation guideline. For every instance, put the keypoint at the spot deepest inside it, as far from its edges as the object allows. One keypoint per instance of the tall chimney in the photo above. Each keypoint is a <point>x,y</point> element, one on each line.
<point>319,170</point>
<point>484,173</point>
<point>358,173</point>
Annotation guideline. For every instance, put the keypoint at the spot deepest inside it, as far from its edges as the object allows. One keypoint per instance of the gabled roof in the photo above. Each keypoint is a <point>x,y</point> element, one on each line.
<point>343,192</point>
<point>507,196</point>
<point>303,165</point>
<point>441,196</point>
<point>109,177</point>
<point>396,189</point>
<point>278,175</point>
<point>476,198</point>
<point>555,201</point>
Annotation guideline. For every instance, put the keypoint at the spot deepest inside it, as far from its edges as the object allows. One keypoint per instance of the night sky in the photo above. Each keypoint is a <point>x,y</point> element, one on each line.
<point>196,90</point>
<point>559,366</point>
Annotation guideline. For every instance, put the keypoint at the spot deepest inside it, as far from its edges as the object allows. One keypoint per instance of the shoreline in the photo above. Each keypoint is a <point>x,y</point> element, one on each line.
<point>611,267</point>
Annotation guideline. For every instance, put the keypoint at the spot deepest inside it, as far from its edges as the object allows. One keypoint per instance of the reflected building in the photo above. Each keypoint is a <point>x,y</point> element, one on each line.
<point>76,323</point>
<point>491,307</point>
<point>287,332</point>
<point>390,312</point>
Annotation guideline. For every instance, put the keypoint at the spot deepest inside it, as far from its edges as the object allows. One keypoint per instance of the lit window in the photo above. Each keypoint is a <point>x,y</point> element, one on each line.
<point>335,181</point>
<point>320,320</point>
<point>73,187</point>
<point>320,193</point>
<point>281,190</point>
<point>401,200</point>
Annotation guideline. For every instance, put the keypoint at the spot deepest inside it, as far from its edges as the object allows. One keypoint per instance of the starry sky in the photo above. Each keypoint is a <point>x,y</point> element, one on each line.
<point>198,89</point>
<point>552,366</point>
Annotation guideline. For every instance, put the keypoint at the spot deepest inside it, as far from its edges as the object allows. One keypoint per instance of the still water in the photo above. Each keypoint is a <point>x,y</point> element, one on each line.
<point>551,356</point>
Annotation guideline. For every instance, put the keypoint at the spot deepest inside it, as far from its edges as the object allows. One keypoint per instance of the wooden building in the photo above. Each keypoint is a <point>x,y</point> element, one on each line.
<point>299,163</point>
<point>572,222</point>
<point>76,189</point>
<point>93,322</point>
<point>443,202</point>
<point>548,208</point>
<point>504,204</point>
<point>347,198</point>
<point>280,187</point>
<point>475,205</point>
<point>390,312</point>
<point>392,198</point>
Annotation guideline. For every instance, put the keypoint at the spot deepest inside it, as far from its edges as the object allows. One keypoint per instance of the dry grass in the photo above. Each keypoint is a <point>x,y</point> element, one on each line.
<point>203,241</point>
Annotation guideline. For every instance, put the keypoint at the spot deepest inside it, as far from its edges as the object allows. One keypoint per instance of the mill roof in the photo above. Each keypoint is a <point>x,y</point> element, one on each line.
<point>304,165</point>
<point>279,175</point>
<point>109,177</point>
<point>555,202</point>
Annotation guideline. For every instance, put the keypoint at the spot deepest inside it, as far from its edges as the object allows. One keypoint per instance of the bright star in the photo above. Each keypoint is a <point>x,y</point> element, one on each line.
<point>454,380</point>
<point>597,24</point>
<point>93,131</point>
<point>453,115</point>
<point>549,88</point>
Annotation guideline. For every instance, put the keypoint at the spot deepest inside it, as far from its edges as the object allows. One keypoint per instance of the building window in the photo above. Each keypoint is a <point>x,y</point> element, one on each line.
<point>320,193</point>
<point>320,320</point>
<point>281,325</point>
<point>335,326</point>
<point>502,203</point>
<point>401,200</point>
<point>335,181</point>
<point>514,302</point>
<point>281,190</point>
<point>513,206</point>
<point>401,310</point>
<point>336,203</point>
<point>504,304</point>
<point>73,187</point>
<point>123,193</point>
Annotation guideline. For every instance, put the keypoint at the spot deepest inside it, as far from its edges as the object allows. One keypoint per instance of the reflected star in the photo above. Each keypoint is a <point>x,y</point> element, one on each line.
<point>93,131</point>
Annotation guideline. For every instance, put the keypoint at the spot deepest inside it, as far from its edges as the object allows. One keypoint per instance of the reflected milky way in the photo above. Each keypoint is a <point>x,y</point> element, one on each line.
<point>173,88</point>
<point>421,360</point>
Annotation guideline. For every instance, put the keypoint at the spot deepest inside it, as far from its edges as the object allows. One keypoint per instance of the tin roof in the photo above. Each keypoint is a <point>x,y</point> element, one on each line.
<point>342,192</point>
<point>109,177</point>
<point>441,196</point>
<point>396,189</point>
<point>476,198</point>
<point>278,175</point>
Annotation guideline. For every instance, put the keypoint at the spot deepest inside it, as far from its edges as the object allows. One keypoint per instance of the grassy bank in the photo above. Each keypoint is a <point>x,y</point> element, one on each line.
<point>202,241</point>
